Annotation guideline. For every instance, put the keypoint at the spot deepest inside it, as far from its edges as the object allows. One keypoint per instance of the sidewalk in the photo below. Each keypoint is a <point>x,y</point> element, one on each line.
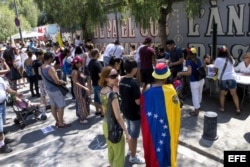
<point>84,145</point>
<point>233,130</point>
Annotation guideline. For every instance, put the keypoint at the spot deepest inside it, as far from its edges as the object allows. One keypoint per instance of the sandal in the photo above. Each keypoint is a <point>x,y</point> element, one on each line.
<point>221,109</point>
<point>194,113</point>
<point>238,112</point>
<point>63,126</point>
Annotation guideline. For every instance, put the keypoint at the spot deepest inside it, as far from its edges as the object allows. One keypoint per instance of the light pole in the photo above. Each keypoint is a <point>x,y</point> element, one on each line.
<point>17,22</point>
<point>117,28</point>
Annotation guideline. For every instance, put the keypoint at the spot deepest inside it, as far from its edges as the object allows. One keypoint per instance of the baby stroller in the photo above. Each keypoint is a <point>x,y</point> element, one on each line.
<point>24,108</point>
<point>177,83</point>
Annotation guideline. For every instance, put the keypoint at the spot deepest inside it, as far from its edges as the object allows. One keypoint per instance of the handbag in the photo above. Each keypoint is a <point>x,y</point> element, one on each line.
<point>14,74</point>
<point>115,131</point>
<point>201,73</point>
<point>62,88</point>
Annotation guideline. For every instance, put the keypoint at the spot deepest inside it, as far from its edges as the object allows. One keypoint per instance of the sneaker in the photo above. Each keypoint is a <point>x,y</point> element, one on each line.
<point>5,149</point>
<point>136,160</point>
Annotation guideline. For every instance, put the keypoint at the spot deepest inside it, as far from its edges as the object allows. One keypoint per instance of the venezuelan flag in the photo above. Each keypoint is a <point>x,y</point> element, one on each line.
<point>160,121</point>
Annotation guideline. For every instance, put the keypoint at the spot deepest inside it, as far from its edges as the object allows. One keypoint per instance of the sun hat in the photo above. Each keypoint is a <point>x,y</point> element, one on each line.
<point>77,59</point>
<point>161,71</point>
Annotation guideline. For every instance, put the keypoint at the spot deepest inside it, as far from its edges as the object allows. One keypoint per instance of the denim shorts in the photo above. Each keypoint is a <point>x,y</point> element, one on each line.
<point>228,84</point>
<point>97,90</point>
<point>133,128</point>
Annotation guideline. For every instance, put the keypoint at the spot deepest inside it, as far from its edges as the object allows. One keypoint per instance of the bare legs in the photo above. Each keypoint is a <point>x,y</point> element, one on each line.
<point>58,115</point>
<point>235,99</point>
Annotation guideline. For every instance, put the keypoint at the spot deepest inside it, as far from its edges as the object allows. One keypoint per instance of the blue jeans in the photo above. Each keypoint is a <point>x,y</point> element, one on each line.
<point>2,116</point>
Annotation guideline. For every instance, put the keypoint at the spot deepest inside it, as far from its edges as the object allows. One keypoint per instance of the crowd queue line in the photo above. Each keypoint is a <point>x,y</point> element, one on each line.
<point>178,65</point>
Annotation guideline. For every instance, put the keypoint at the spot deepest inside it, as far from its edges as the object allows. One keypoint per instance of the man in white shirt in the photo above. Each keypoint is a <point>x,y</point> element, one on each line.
<point>106,56</point>
<point>117,50</point>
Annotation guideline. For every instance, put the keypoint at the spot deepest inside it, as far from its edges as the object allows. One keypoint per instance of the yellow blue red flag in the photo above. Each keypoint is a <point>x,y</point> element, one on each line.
<point>160,121</point>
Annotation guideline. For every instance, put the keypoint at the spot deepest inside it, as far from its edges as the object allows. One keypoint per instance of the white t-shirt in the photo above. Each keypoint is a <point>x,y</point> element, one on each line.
<point>23,56</point>
<point>117,51</point>
<point>107,49</point>
<point>242,68</point>
<point>18,61</point>
<point>137,55</point>
<point>229,72</point>
<point>3,88</point>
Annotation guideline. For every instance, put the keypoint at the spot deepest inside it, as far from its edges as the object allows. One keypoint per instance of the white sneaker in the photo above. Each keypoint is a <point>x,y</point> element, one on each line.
<point>137,159</point>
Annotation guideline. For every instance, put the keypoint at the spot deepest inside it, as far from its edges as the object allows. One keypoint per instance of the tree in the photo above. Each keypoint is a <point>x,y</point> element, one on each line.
<point>91,13</point>
<point>6,23</point>
<point>86,14</point>
<point>145,11</point>
<point>26,9</point>
<point>28,15</point>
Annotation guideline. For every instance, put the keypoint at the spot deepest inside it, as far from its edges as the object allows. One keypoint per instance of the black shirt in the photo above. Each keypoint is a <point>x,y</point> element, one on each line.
<point>36,65</point>
<point>175,55</point>
<point>95,67</point>
<point>130,91</point>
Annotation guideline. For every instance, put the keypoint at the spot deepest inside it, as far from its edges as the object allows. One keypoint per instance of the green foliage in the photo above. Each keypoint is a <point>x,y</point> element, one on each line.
<point>27,14</point>
<point>89,14</point>
<point>6,22</point>
<point>193,7</point>
<point>27,9</point>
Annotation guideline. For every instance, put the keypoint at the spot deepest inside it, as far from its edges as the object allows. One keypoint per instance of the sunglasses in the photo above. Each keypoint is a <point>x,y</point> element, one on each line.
<point>113,76</point>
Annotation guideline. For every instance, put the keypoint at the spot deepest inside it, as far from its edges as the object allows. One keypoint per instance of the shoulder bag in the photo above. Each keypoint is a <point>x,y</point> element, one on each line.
<point>14,74</point>
<point>62,88</point>
<point>224,68</point>
<point>115,131</point>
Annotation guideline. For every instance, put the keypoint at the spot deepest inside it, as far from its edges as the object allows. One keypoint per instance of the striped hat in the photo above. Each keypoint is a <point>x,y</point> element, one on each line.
<point>161,71</point>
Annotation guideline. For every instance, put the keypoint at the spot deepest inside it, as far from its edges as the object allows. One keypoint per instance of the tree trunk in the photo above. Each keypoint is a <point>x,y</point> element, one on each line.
<point>163,24</point>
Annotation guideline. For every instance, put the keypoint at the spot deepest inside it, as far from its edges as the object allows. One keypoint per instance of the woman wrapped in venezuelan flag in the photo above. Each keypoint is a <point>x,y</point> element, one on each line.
<point>161,114</point>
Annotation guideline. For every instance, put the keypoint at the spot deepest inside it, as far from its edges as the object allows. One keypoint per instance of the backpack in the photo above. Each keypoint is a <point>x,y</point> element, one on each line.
<point>67,67</point>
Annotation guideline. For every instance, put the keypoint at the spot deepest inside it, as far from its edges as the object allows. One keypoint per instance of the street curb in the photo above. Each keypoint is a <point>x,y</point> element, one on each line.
<point>204,153</point>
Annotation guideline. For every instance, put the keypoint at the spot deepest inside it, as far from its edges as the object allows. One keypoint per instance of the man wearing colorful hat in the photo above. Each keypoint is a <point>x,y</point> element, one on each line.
<point>160,120</point>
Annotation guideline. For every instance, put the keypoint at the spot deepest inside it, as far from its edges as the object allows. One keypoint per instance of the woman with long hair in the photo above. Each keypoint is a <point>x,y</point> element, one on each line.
<point>224,66</point>
<point>81,91</point>
<point>196,84</point>
<point>116,151</point>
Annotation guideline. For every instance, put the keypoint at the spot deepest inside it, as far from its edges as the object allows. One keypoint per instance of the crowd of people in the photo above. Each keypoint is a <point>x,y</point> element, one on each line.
<point>143,94</point>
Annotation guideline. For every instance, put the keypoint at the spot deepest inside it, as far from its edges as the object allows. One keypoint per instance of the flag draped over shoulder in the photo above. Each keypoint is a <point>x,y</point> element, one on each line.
<point>160,121</point>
